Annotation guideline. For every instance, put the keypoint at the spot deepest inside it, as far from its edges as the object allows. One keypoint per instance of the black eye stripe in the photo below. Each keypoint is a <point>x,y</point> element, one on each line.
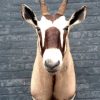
<point>66,28</point>
<point>38,29</point>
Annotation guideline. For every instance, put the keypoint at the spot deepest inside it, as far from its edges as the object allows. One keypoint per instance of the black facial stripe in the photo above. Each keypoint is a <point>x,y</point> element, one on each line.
<point>64,41</point>
<point>42,48</point>
<point>52,39</point>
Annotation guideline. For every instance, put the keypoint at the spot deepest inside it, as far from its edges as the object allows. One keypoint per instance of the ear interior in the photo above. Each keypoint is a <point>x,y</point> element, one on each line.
<point>28,15</point>
<point>78,16</point>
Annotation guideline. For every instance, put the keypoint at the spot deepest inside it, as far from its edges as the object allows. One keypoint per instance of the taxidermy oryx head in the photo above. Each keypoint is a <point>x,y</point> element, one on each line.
<point>52,31</point>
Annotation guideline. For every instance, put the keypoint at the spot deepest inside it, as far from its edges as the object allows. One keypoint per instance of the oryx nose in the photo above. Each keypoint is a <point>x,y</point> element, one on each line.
<point>51,65</point>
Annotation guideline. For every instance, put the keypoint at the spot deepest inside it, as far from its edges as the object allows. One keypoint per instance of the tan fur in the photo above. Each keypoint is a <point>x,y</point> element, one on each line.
<point>62,84</point>
<point>65,83</point>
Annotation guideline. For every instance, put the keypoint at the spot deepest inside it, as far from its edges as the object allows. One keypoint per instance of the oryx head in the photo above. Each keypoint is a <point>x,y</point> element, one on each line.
<point>52,32</point>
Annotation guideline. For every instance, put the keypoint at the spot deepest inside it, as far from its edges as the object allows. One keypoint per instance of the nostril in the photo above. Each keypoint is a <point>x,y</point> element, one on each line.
<point>50,64</point>
<point>57,63</point>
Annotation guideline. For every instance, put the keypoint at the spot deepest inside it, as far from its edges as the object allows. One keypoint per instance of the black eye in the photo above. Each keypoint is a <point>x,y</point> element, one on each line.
<point>38,29</point>
<point>66,28</point>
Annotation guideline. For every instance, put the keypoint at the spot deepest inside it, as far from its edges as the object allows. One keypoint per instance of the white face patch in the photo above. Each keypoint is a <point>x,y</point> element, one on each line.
<point>44,24</point>
<point>59,23</point>
<point>53,54</point>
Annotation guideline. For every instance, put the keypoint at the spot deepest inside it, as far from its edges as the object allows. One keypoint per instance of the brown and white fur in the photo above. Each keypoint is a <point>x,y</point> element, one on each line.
<point>53,76</point>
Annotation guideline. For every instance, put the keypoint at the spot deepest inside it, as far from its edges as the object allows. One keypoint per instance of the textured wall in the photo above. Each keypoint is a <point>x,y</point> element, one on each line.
<point>18,44</point>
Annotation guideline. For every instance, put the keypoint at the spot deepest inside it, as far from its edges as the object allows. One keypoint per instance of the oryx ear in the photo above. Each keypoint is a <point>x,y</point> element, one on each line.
<point>78,16</point>
<point>28,15</point>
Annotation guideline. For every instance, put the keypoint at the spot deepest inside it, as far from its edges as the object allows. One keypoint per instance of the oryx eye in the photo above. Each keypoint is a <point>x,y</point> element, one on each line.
<point>66,28</point>
<point>38,29</point>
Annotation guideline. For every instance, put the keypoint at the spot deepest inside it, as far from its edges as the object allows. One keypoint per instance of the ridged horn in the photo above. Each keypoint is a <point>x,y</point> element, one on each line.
<point>44,8</point>
<point>62,7</point>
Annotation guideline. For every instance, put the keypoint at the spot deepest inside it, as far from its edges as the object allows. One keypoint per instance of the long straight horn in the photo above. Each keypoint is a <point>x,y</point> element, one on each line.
<point>44,8</point>
<point>62,7</point>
